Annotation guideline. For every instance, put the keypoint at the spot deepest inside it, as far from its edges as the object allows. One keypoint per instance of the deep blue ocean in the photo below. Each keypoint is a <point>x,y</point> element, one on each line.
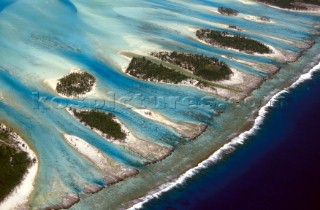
<point>277,168</point>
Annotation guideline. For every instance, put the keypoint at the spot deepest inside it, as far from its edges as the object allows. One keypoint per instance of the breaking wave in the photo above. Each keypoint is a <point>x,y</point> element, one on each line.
<point>231,146</point>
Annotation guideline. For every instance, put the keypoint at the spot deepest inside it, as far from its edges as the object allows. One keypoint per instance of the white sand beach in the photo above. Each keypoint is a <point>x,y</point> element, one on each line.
<point>114,172</point>
<point>52,84</point>
<point>19,197</point>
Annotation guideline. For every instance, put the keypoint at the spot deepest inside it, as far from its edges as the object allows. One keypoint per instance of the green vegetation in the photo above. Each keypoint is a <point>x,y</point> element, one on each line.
<point>142,68</point>
<point>265,18</point>
<point>75,84</point>
<point>13,162</point>
<point>235,41</point>
<point>104,122</point>
<point>152,69</point>
<point>291,4</point>
<point>207,68</point>
<point>227,11</point>
<point>234,27</point>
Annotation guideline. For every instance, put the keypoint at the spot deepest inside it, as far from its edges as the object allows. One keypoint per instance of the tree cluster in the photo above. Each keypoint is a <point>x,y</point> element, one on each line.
<point>13,163</point>
<point>144,69</point>
<point>235,41</point>
<point>265,18</point>
<point>203,66</point>
<point>227,11</point>
<point>291,4</point>
<point>104,122</point>
<point>75,84</point>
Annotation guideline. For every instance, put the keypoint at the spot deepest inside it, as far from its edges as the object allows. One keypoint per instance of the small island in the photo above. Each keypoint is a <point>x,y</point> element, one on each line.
<point>234,27</point>
<point>207,68</point>
<point>75,84</point>
<point>205,73</point>
<point>235,41</point>
<point>103,122</point>
<point>14,162</point>
<point>227,11</point>
<point>265,19</point>
<point>109,127</point>
<point>147,70</point>
<point>307,5</point>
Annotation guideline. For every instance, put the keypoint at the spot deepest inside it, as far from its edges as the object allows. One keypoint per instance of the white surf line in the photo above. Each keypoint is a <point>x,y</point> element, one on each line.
<point>18,198</point>
<point>218,155</point>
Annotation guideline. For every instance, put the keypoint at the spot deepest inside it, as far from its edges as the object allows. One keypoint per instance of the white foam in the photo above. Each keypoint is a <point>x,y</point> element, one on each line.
<point>231,146</point>
<point>306,76</point>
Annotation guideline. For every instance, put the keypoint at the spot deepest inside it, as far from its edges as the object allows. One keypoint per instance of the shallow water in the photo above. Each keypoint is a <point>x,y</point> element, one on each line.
<point>43,39</point>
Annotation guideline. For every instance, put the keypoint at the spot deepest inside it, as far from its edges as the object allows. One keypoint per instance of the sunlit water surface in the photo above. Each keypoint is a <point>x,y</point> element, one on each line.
<point>41,40</point>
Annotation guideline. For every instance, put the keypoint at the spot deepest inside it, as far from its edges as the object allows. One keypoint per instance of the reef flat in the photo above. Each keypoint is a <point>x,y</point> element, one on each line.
<point>120,98</point>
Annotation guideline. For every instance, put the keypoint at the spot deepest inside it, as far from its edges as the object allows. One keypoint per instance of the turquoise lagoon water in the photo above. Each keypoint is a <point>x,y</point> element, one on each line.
<point>42,40</point>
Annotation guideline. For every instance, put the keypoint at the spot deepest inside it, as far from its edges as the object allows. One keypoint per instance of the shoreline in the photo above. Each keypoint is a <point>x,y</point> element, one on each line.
<point>246,17</point>
<point>52,84</point>
<point>117,172</point>
<point>19,196</point>
<point>263,67</point>
<point>106,164</point>
<point>276,54</point>
<point>255,19</point>
<point>227,88</point>
<point>155,152</point>
<point>249,128</point>
<point>246,82</point>
<point>308,11</point>
<point>222,88</point>
<point>193,124</point>
<point>187,130</point>
<point>114,172</point>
